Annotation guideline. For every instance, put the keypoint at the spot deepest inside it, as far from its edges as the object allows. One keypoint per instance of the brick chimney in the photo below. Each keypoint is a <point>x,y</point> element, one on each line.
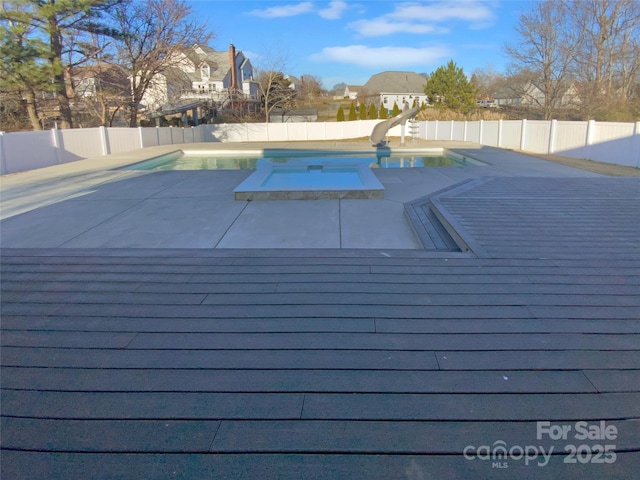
<point>232,62</point>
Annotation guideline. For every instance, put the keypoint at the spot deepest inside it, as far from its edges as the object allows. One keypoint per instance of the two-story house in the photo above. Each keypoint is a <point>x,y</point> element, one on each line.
<point>201,73</point>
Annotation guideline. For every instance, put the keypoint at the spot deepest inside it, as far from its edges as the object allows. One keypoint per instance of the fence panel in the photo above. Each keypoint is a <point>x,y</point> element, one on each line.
<point>570,135</point>
<point>335,130</point>
<point>149,137</point>
<point>537,136</point>
<point>164,135</point>
<point>511,132</point>
<point>431,129</point>
<point>458,131</point>
<point>80,143</point>
<point>297,131</point>
<point>27,150</point>
<point>473,132</point>
<point>490,133</point>
<point>123,139</point>
<point>615,143</point>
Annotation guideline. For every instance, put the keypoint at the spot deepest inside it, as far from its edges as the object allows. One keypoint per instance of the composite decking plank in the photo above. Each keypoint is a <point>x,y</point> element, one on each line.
<point>220,359</point>
<point>515,407</point>
<point>67,339</point>
<point>462,407</point>
<point>322,287</point>
<point>322,341</point>
<point>279,311</point>
<point>255,381</point>
<point>319,324</point>
<point>613,380</point>
<point>187,325</point>
<point>401,298</point>
<point>312,436</point>
<point>605,360</point>
<point>366,341</point>
<point>47,465</point>
<point>427,438</point>
<point>181,436</point>
<point>506,325</point>
<point>151,405</point>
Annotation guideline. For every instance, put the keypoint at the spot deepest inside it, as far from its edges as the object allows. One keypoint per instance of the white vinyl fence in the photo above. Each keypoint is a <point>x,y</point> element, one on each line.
<point>617,143</point>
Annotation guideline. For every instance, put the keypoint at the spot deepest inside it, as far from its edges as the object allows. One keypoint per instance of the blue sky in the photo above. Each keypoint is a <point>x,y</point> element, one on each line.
<point>348,41</point>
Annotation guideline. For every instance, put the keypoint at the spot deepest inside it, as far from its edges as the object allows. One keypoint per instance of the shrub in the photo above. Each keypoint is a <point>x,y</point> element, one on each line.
<point>352,113</point>
<point>373,113</point>
<point>396,110</point>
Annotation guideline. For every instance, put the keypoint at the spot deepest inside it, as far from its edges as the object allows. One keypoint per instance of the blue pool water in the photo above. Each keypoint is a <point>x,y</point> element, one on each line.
<point>213,161</point>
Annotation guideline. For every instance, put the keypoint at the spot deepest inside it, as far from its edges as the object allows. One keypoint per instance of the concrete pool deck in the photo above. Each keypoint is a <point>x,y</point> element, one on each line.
<point>93,204</point>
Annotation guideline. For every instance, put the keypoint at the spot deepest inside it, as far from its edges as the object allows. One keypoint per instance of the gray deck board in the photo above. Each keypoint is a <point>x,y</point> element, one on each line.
<point>295,466</point>
<point>332,364</point>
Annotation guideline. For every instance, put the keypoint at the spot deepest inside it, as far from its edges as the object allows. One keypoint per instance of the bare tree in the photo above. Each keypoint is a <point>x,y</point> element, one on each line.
<point>543,48</point>
<point>487,80</point>
<point>311,86</point>
<point>276,91</point>
<point>606,34</point>
<point>275,88</point>
<point>154,33</point>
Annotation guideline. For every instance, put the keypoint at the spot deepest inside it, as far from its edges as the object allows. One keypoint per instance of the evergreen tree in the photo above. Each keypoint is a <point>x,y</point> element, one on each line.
<point>363,111</point>
<point>352,113</point>
<point>448,87</point>
<point>383,112</point>
<point>340,116</point>
<point>57,25</point>
<point>373,113</point>
<point>24,74</point>
<point>396,110</point>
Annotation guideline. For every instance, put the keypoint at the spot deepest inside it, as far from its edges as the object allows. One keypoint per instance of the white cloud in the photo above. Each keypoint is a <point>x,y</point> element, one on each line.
<point>381,27</point>
<point>426,18</point>
<point>334,11</point>
<point>471,10</point>
<point>284,10</point>
<point>385,57</point>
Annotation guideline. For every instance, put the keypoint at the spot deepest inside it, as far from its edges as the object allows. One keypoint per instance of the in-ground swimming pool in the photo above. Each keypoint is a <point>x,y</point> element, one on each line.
<point>199,160</point>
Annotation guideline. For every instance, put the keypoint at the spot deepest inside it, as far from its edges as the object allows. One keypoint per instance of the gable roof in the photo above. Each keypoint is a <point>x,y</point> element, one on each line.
<point>396,82</point>
<point>218,61</point>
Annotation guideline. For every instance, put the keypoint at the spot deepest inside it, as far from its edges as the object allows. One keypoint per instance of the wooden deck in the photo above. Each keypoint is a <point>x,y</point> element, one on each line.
<point>145,363</point>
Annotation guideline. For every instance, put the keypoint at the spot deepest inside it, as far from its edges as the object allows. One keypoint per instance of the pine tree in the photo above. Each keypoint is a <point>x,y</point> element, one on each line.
<point>363,111</point>
<point>448,87</point>
<point>24,74</point>
<point>340,116</point>
<point>383,112</point>
<point>396,110</point>
<point>373,113</point>
<point>352,113</point>
<point>56,25</point>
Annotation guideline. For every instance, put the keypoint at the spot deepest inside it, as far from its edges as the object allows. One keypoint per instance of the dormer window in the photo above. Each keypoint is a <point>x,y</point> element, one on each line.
<point>205,71</point>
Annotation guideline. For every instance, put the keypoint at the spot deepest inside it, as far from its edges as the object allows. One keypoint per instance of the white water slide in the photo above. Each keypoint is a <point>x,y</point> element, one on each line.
<point>380,130</point>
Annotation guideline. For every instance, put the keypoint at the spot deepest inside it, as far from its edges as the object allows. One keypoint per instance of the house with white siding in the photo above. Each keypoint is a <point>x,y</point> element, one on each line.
<point>207,75</point>
<point>397,87</point>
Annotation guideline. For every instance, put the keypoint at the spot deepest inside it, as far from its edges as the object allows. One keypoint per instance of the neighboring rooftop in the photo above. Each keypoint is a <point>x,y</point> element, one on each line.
<point>396,82</point>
